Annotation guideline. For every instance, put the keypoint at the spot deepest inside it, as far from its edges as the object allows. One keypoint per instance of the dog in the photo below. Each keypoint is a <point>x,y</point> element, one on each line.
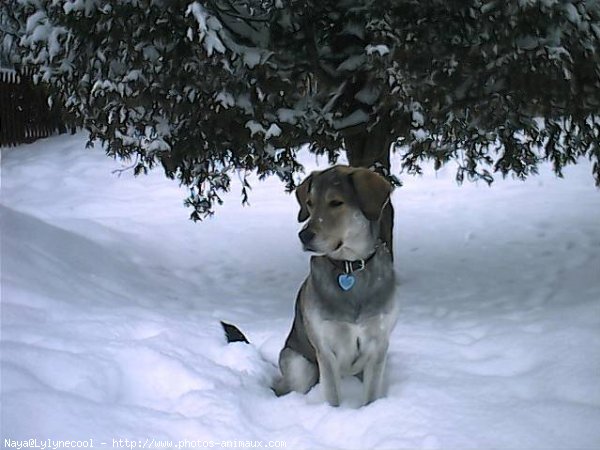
<point>345,309</point>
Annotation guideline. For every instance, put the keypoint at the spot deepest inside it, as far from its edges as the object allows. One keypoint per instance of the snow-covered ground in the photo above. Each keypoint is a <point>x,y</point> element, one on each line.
<point>111,300</point>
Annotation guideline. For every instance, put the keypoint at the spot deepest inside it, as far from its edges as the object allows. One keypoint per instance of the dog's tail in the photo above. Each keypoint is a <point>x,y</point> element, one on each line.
<point>233,333</point>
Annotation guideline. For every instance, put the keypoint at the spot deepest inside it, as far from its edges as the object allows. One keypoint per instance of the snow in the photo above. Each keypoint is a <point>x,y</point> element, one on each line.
<point>528,42</point>
<point>273,131</point>
<point>208,28</point>
<point>290,116</point>
<point>381,49</point>
<point>70,6</point>
<point>251,57</point>
<point>368,95</point>
<point>40,30</point>
<point>111,300</point>
<point>351,63</point>
<point>255,128</point>
<point>225,99</point>
<point>572,13</point>
<point>355,118</point>
<point>417,115</point>
<point>419,134</point>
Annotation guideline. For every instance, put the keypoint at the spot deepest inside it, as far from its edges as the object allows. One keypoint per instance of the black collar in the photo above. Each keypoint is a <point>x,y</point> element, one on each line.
<point>356,265</point>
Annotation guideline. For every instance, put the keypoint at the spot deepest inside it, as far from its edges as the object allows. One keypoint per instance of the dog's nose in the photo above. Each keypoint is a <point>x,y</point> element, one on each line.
<point>306,235</point>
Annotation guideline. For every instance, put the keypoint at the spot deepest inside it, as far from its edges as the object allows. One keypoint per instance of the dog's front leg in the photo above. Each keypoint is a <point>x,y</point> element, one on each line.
<point>329,374</point>
<point>373,375</point>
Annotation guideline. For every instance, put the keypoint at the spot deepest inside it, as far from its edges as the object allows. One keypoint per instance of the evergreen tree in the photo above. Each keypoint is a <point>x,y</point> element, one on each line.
<point>205,88</point>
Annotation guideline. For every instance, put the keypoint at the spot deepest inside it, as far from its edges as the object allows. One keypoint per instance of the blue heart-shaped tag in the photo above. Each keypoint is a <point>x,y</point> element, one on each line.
<point>346,281</point>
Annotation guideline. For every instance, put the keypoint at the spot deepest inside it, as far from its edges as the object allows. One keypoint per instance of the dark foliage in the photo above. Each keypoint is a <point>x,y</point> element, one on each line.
<point>209,88</point>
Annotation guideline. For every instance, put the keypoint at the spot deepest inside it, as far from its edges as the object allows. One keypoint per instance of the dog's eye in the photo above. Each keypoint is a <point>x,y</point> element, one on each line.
<point>309,203</point>
<point>335,203</point>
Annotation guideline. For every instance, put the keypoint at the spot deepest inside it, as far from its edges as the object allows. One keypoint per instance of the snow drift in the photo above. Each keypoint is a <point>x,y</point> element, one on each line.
<point>111,301</point>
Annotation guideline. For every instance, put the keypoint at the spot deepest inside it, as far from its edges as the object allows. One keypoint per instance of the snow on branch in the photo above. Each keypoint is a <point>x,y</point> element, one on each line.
<point>208,28</point>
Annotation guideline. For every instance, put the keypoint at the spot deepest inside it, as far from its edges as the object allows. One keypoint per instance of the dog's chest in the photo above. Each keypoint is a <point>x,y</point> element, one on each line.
<point>351,326</point>
<point>353,344</point>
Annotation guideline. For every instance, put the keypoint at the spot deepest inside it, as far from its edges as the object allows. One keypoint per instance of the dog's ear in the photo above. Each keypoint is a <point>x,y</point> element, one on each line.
<point>302,196</point>
<point>372,191</point>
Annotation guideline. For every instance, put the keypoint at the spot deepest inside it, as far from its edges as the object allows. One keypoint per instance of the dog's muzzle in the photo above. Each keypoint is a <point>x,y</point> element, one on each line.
<point>306,235</point>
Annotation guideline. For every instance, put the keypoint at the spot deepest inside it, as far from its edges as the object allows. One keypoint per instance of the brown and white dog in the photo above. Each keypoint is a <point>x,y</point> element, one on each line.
<point>345,309</point>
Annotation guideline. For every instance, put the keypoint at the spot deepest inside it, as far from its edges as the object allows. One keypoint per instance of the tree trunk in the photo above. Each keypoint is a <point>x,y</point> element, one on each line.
<point>371,149</point>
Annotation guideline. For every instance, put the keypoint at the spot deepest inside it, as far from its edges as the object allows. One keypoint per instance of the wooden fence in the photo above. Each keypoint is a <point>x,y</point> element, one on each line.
<point>24,111</point>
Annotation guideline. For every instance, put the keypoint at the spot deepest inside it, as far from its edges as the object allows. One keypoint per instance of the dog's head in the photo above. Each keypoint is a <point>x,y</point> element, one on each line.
<point>343,206</point>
